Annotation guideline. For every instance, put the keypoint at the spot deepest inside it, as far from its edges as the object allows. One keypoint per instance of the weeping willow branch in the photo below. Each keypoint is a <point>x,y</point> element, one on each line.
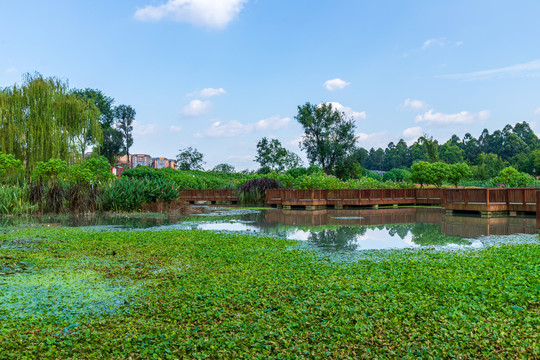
<point>41,119</point>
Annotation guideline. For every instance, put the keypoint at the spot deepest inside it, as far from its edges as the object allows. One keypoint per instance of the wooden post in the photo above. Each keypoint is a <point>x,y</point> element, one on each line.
<point>487,199</point>
<point>465,197</point>
<point>537,209</point>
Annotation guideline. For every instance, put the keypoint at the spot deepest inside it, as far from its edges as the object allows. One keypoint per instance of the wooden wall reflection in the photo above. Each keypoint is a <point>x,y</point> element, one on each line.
<point>452,225</point>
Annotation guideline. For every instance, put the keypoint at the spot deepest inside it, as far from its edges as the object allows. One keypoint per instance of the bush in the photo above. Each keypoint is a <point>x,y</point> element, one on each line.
<point>510,177</point>
<point>254,191</point>
<point>397,175</point>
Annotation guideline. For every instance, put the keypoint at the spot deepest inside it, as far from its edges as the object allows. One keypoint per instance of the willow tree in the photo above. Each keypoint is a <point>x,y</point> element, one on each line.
<point>41,119</point>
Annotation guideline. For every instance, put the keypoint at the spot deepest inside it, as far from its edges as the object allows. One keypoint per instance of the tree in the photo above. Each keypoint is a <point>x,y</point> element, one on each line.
<point>431,146</point>
<point>458,172</point>
<point>125,115</point>
<point>272,155</point>
<point>224,168</point>
<point>113,142</point>
<point>510,177</point>
<point>42,119</point>
<point>451,153</point>
<point>397,175</point>
<point>112,138</point>
<point>328,134</point>
<point>190,159</point>
<point>420,173</point>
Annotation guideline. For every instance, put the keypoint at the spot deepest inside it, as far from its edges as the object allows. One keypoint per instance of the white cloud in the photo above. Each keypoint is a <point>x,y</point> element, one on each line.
<point>375,140</point>
<point>11,70</point>
<point>464,117</point>
<point>348,111</point>
<point>207,13</point>
<point>175,128</point>
<point>225,129</point>
<point>434,42</point>
<point>143,129</point>
<point>412,134</point>
<point>273,123</point>
<point>336,84</point>
<point>235,128</point>
<point>518,69</point>
<point>196,108</point>
<point>411,104</point>
<point>208,92</point>
<point>537,111</point>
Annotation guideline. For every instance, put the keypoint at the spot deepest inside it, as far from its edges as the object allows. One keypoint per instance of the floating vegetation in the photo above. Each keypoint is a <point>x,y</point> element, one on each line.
<point>201,294</point>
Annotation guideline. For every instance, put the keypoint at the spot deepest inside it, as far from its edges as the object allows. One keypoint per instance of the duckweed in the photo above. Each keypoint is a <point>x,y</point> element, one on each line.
<point>197,294</point>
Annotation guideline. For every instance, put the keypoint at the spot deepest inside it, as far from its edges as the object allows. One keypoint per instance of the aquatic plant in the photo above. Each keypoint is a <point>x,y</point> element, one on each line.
<point>195,294</point>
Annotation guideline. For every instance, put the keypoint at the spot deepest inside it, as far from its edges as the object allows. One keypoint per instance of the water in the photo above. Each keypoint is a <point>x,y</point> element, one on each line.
<point>330,230</point>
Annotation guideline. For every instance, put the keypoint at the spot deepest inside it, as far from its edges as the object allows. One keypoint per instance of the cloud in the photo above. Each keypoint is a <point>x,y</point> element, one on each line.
<point>434,42</point>
<point>513,70</point>
<point>225,129</point>
<point>273,123</point>
<point>175,128</point>
<point>208,92</point>
<point>376,140</point>
<point>411,104</point>
<point>464,117</point>
<point>196,108</point>
<point>412,134</point>
<point>207,13</point>
<point>348,111</point>
<point>235,128</point>
<point>537,111</point>
<point>143,129</point>
<point>11,70</point>
<point>336,84</point>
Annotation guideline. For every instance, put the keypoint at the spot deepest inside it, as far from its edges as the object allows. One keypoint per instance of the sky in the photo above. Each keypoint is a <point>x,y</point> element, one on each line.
<point>218,75</point>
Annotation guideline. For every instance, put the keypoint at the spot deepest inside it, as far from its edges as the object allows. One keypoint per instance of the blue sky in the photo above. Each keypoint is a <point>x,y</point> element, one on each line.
<point>219,75</point>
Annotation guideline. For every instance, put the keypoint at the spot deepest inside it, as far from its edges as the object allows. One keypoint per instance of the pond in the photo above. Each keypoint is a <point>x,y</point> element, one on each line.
<point>327,230</point>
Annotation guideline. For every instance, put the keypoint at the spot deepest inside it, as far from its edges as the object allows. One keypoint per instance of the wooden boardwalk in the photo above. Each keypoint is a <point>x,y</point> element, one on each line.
<point>487,202</point>
<point>209,195</point>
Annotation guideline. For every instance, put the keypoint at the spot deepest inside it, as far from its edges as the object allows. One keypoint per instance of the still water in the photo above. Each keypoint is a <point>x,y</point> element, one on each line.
<point>329,230</point>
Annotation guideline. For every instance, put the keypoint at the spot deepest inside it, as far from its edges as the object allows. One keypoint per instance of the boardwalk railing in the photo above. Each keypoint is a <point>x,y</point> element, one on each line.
<point>212,195</point>
<point>489,200</point>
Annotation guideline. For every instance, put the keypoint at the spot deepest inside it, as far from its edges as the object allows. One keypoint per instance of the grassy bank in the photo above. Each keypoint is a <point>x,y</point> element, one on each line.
<point>71,293</point>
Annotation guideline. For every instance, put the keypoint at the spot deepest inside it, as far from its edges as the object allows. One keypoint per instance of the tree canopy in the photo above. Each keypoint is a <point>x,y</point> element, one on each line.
<point>328,134</point>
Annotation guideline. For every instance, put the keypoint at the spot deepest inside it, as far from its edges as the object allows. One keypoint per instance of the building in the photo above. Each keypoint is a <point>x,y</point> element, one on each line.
<point>146,160</point>
<point>141,160</point>
<point>161,162</point>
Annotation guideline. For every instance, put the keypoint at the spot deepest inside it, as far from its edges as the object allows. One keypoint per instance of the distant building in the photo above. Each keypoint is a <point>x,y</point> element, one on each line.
<point>146,160</point>
<point>161,162</point>
<point>141,160</point>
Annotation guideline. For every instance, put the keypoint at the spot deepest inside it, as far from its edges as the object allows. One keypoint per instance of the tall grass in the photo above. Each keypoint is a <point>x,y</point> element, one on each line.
<point>253,192</point>
<point>14,200</point>
<point>130,195</point>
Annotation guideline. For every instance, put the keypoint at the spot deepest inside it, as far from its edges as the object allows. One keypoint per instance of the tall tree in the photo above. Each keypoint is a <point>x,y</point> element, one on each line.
<point>125,115</point>
<point>42,119</point>
<point>190,159</point>
<point>328,134</point>
<point>112,137</point>
<point>272,155</point>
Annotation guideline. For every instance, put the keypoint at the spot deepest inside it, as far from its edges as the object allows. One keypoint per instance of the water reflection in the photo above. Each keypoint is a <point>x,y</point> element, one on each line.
<point>329,230</point>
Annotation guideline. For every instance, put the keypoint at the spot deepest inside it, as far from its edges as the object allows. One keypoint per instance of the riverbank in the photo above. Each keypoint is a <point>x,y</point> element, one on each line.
<point>171,294</point>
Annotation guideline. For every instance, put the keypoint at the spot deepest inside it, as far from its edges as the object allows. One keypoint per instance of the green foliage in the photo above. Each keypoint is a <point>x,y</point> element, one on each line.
<point>41,119</point>
<point>130,195</point>
<point>14,200</point>
<point>224,168</point>
<point>125,116</point>
<point>328,134</point>
<point>397,175</point>
<point>190,159</point>
<point>273,156</point>
<point>50,170</point>
<point>196,294</point>
<point>458,172</point>
<point>510,177</point>
<point>99,167</point>
<point>9,165</point>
